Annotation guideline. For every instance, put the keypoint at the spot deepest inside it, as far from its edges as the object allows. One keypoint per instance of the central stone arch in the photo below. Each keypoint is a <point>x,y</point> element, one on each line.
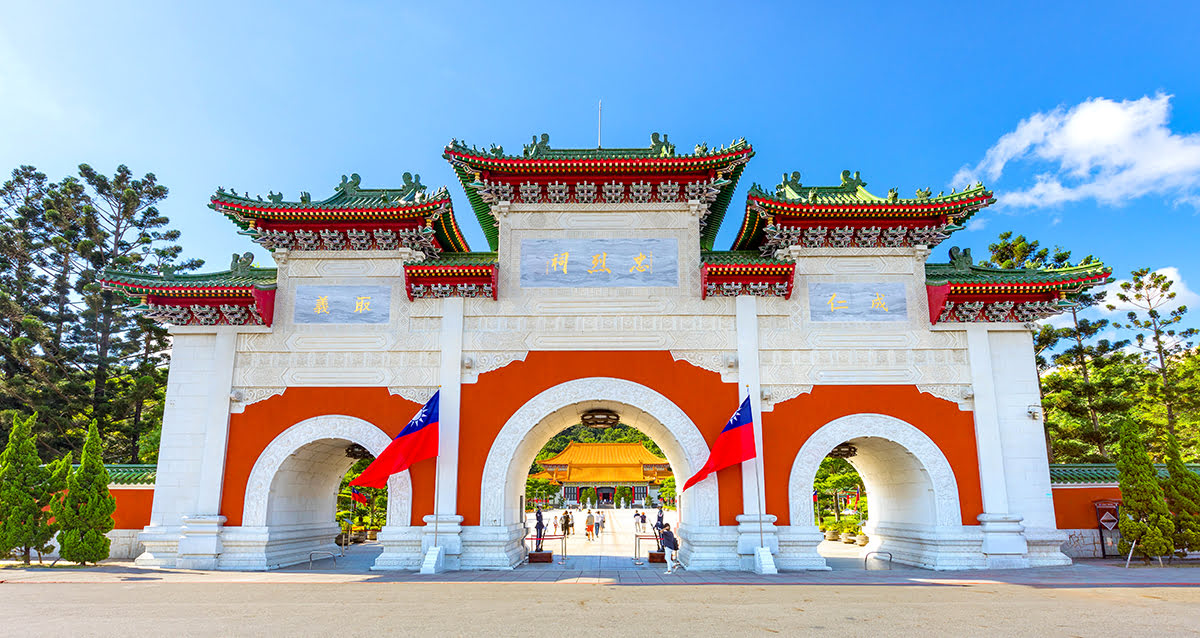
<point>292,490</point>
<point>547,413</point>
<point>528,429</point>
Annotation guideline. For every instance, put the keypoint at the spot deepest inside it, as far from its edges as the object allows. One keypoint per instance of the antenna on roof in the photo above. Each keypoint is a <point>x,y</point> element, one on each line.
<point>599,122</point>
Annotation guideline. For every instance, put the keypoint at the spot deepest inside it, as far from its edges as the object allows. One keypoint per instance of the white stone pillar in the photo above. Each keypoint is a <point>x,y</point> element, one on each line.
<point>755,528</point>
<point>448,522</point>
<point>185,521</point>
<point>1003,539</point>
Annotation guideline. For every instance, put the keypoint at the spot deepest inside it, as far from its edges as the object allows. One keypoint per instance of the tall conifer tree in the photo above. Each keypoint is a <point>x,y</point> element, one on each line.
<point>1144,518</point>
<point>1182,491</point>
<point>1163,344</point>
<point>85,512</point>
<point>26,490</point>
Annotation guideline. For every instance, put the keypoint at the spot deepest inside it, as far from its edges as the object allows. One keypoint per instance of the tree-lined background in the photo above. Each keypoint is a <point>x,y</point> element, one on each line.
<point>72,352</point>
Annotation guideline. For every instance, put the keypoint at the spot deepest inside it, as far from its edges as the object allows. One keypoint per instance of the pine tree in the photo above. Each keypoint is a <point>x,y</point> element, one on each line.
<point>1182,491</point>
<point>1144,518</point>
<point>1163,346</point>
<point>25,493</point>
<point>85,512</point>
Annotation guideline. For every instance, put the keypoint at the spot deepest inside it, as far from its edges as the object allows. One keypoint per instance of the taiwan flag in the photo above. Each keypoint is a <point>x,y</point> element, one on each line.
<point>357,495</point>
<point>734,445</point>
<point>416,442</point>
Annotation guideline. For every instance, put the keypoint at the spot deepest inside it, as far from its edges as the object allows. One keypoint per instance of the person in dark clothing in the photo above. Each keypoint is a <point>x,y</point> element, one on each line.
<point>671,544</point>
<point>659,524</point>
<point>540,528</point>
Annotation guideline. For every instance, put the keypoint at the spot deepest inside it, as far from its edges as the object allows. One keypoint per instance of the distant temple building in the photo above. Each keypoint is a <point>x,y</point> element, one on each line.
<point>604,467</point>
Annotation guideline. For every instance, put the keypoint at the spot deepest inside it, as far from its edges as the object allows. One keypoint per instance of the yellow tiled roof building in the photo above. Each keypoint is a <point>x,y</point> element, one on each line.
<point>605,467</point>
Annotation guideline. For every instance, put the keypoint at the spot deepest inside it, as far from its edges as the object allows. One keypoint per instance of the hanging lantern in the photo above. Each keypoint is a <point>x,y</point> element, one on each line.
<point>600,419</point>
<point>843,451</point>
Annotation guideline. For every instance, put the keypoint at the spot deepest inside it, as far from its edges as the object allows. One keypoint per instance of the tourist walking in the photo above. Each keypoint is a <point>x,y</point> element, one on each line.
<point>643,522</point>
<point>637,522</point>
<point>671,545</point>
<point>590,521</point>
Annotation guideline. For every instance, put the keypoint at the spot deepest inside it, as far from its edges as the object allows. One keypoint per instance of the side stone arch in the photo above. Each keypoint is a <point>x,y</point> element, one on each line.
<point>319,428</point>
<point>947,511</point>
<point>552,409</point>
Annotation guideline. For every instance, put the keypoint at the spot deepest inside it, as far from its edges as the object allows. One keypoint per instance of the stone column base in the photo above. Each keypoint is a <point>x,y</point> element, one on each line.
<point>750,539</point>
<point>448,527</point>
<point>200,545</point>
<point>798,548</point>
<point>492,547</point>
<point>1004,541</point>
<point>707,548</point>
<point>160,546</point>
<point>401,548</point>
<point>1045,547</point>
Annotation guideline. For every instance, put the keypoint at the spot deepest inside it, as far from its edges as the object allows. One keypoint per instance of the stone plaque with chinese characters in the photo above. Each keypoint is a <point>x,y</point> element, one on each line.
<point>342,304</point>
<point>857,302</point>
<point>599,263</point>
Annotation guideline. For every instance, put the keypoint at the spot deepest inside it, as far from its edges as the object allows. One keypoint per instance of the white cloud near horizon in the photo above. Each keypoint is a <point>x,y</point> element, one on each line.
<point>1100,149</point>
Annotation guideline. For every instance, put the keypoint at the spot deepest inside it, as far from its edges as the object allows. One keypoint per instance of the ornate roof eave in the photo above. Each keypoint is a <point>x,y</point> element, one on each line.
<point>244,296</point>
<point>826,215</point>
<point>468,275</point>
<point>962,292</point>
<point>635,175</point>
<point>381,219</point>
<point>729,274</point>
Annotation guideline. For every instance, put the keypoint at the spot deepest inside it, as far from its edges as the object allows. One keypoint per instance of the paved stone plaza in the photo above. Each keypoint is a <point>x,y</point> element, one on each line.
<point>600,588</point>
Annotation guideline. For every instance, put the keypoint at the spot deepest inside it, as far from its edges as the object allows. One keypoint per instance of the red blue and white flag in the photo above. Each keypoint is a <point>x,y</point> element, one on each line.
<point>416,442</point>
<point>734,445</point>
<point>357,495</point>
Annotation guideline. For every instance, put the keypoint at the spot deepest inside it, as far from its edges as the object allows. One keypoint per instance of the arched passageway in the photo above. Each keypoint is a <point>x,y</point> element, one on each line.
<point>496,543</point>
<point>914,503</point>
<point>291,494</point>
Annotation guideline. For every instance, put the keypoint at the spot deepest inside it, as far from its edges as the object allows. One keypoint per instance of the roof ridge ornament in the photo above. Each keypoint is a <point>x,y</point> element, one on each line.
<point>960,258</point>
<point>537,147</point>
<point>413,188</point>
<point>852,183</point>
<point>661,148</point>
<point>240,265</point>
<point>790,187</point>
<point>924,194</point>
<point>275,198</point>
<point>349,186</point>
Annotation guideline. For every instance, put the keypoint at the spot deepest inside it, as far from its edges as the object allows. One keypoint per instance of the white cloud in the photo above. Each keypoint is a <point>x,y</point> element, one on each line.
<point>1184,295</point>
<point>1100,149</point>
<point>977,223</point>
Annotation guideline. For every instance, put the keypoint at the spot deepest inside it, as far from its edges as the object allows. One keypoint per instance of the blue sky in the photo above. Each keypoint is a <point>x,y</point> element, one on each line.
<point>1084,119</point>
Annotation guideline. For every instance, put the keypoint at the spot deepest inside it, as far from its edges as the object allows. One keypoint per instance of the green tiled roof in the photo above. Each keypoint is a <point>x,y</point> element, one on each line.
<point>737,257</point>
<point>1075,473</point>
<point>347,196</point>
<point>853,191</point>
<point>262,278</point>
<point>1073,277</point>
<point>131,474</point>
<point>660,157</point>
<point>460,259</point>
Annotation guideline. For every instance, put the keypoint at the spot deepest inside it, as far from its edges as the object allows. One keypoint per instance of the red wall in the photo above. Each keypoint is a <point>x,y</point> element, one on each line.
<point>252,430</point>
<point>488,404</point>
<point>133,507</point>
<point>1074,506</point>
<point>792,422</point>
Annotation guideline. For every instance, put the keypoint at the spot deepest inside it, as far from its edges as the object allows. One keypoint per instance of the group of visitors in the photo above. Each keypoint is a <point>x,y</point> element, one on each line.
<point>595,524</point>
<point>639,522</point>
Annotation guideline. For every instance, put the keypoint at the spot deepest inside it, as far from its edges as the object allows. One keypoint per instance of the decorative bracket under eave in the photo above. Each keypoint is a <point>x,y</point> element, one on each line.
<point>759,280</point>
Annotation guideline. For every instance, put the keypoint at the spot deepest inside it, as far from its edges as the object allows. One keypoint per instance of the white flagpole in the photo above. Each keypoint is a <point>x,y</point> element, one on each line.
<point>437,462</point>
<point>758,472</point>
